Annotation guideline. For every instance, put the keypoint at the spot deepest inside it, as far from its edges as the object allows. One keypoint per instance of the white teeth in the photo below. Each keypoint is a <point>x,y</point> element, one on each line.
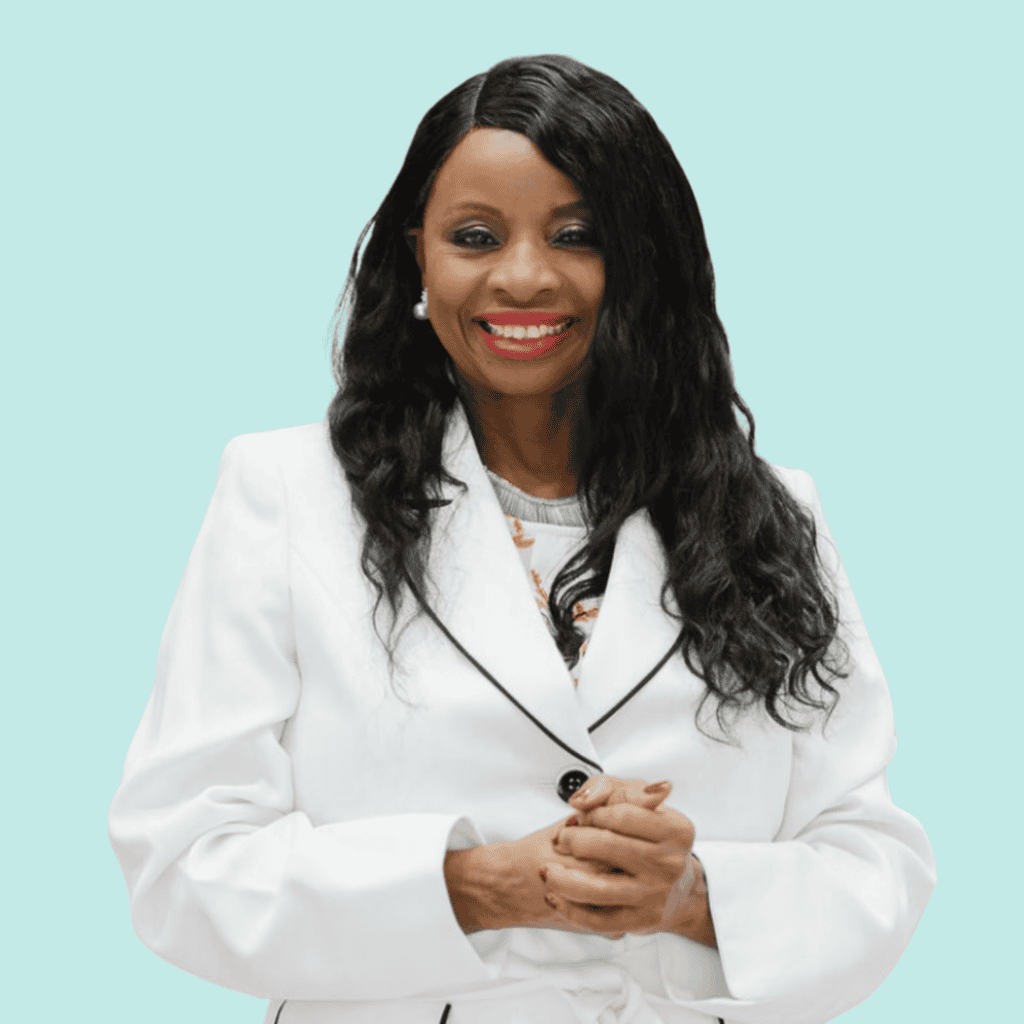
<point>518,333</point>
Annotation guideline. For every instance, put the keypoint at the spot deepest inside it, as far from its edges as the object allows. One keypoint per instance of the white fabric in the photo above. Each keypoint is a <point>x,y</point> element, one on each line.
<point>284,812</point>
<point>544,548</point>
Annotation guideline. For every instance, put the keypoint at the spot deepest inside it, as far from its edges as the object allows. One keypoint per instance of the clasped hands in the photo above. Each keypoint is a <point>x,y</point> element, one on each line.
<point>620,864</point>
<point>623,862</point>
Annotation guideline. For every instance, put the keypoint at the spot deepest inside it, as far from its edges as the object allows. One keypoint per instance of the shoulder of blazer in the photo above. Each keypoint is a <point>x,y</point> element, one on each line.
<point>297,464</point>
<point>798,482</point>
<point>294,444</point>
<point>301,454</point>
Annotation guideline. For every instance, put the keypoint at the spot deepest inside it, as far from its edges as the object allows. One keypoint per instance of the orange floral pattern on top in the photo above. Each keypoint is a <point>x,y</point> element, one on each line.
<point>580,613</point>
<point>542,594</point>
<point>519,535</point>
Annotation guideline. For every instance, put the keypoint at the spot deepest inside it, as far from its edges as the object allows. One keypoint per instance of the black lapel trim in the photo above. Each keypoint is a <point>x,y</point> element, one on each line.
<point>636,689</point>
<point>487,675</point>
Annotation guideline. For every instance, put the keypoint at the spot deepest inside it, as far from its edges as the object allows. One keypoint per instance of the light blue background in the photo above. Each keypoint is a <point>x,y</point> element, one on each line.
<point>184,184</point>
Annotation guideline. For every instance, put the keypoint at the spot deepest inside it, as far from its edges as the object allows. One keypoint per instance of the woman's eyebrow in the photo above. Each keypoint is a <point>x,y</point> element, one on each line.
<point>578,206</point>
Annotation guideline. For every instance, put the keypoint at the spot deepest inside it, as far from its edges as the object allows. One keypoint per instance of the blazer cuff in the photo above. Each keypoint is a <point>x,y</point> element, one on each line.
<point>404,915</point>
<point>464,835</point>
<point>352,910</point>
<point>804,932</point>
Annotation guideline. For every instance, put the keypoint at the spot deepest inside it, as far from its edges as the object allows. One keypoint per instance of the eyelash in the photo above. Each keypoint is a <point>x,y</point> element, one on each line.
<point>587,241</point>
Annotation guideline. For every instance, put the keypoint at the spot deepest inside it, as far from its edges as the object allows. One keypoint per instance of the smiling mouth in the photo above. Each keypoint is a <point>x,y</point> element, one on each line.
<point>520,333</point>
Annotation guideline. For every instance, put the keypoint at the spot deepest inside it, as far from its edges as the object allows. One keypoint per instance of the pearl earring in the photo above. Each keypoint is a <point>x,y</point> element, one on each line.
<point>420,309</point>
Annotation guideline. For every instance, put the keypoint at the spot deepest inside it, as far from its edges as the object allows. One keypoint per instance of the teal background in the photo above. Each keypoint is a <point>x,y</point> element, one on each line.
<point>182,190</point>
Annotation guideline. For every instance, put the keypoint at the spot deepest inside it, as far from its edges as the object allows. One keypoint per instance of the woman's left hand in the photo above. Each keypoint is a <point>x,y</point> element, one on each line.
<point>642,873</point>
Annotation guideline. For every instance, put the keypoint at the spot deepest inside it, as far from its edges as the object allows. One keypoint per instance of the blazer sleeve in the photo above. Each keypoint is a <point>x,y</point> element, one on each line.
<point>228,880</point>
<point>810,924</point>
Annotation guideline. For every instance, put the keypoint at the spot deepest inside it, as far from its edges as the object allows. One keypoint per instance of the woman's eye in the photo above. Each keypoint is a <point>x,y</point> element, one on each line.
<point>482,238</point>
<point>577,235</point>
<point>474,238</point>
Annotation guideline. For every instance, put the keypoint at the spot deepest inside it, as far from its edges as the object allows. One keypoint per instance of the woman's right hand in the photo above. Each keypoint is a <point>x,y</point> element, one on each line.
<point>500,885</point>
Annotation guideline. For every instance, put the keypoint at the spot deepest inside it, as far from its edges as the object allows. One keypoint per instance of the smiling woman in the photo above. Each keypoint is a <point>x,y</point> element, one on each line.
<point>508,255</point>
<point>537,443</point>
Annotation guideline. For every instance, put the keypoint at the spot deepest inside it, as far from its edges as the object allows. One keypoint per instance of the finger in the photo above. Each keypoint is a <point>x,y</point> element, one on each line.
<point>585,886</point>
<point>611,922</point>
<point>654,795</point>
<point>608,852</point>
<point>606,789</point>
<point>609,848</point>
<point>661,826</point>
<point>593,792</point>
<point>640,794</point>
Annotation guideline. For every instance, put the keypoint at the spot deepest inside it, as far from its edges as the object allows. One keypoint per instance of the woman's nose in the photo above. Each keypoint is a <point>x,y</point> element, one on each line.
<point>525,269</point>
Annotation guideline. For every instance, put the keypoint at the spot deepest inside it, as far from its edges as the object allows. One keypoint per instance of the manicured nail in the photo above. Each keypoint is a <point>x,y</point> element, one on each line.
<point>657,787</point>
<point>550,900</point>
<point>543,875</point>
<point>572,821</point>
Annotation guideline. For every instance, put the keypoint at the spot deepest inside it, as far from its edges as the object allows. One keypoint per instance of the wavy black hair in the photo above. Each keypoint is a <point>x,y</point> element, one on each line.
<point>757,616</point>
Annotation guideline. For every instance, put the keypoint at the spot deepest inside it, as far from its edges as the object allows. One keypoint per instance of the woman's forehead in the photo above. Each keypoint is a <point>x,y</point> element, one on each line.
<point>494,168</point>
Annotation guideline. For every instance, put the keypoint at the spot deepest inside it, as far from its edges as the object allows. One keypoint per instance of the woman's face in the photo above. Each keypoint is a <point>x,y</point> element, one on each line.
<point>507,241</point>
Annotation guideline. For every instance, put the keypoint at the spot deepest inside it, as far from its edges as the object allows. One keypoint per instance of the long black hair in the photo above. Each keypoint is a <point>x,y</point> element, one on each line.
<point>757,616</point>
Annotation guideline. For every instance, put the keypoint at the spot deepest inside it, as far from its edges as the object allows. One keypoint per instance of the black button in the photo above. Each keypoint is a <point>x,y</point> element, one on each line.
<point>570,782</point>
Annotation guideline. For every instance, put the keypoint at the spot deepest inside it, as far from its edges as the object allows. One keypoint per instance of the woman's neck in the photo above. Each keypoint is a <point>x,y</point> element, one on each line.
<point>535,442</point>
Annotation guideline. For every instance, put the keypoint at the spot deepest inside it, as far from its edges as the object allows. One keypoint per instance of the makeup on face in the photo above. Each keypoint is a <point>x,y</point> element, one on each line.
<point>522,335</point>
<point>514,275</point>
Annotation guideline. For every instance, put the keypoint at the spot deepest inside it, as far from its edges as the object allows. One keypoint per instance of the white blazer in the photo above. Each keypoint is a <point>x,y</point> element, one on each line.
<point>284,814</point>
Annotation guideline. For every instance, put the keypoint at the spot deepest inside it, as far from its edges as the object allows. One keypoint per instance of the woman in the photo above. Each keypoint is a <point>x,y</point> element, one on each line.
<point>363,826</point>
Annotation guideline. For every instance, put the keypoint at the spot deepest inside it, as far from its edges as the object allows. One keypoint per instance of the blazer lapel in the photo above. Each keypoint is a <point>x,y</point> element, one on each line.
<point>632,632</point>
<point>482,596</point>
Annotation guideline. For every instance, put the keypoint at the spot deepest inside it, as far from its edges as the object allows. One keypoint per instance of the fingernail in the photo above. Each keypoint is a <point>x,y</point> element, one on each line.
<point>550,900</point>
<point>657,787</point>
<point>572,821</point>
<point>543,875</point>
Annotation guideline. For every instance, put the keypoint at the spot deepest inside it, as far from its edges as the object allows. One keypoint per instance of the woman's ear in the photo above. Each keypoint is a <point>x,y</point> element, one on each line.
<point>414,239</point>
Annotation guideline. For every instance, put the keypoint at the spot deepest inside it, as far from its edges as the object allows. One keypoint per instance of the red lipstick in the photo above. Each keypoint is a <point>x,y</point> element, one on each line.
<point>532,349</point>
<point>524,319</point>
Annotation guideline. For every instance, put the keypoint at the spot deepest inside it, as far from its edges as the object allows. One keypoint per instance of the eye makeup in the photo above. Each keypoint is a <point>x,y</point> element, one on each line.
<point>581,236</point>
